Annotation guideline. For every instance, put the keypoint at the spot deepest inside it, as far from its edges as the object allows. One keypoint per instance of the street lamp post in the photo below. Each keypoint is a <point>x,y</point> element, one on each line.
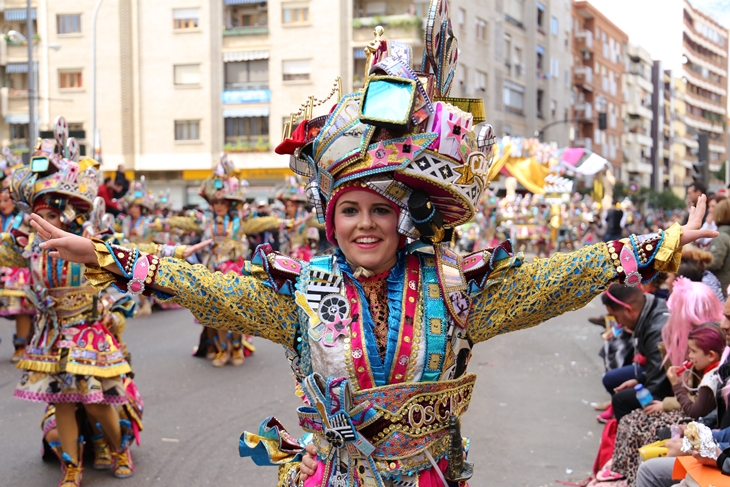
<point>31,79</point>
<point>94,133</point>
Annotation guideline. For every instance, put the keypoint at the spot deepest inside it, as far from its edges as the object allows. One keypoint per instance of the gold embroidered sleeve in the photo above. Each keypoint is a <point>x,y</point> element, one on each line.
<point>524,296</point>
<point>10,254</point>
<point>229,301</point>
<point>253,226</point>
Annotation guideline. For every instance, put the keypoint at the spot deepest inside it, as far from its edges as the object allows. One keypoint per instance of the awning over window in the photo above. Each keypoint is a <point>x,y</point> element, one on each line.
<point>18,14</point>
<point>241,2</point>
<point>540,49</point>
<point>16,68</point>
<point>358,53</point>
<point>185,13</point>
<point>20,118</point>
<point>245,112</point>
<point>231,57</point>
<point>540,6</point>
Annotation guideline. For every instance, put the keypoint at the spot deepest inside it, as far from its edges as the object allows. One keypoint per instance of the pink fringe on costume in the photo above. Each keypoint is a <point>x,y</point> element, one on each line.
<point>691,304</point>
<point>93,398</point>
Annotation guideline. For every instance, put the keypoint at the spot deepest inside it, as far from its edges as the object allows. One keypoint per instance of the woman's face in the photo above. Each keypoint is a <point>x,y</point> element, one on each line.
<point>366,230</point>
<point>221,207</point>
<point>52,217</point>
<point>290,208</point>
<point>6,203</point>
<point>135,211</point>
<point>710,209</point>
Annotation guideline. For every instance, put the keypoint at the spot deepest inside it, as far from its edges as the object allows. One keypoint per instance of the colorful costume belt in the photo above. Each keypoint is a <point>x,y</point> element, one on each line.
<point>389,426</point>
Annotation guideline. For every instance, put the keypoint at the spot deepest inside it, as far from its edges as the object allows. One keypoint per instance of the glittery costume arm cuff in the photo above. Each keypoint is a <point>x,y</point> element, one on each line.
<point>547,288</point>
<point>10,253</point>
<point>184,223</point>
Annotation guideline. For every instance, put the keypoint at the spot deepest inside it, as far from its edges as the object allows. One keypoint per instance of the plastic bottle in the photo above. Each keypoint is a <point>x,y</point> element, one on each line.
<point>643,395</point>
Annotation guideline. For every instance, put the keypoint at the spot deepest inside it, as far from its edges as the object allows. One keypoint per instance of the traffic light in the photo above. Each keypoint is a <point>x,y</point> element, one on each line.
<point>602,121</point>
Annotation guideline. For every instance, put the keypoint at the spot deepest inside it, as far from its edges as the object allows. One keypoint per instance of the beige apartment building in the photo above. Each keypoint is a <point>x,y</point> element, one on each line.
<point>179,81</point>
<point>637,114</point>
<point>705,65</point>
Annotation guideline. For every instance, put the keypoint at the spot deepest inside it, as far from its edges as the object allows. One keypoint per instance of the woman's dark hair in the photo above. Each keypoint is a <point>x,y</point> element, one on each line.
<point>691,270</point>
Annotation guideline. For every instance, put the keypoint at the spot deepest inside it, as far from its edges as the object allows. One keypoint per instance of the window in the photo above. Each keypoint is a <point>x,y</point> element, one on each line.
<point>247,75</point>
<point>514,96</point>
<point>540,58</point>
<point>69,23</point>
<point>515,10</point>
<point>18,131</point>
<point>70,80</point>
<point>554,67</point>
<point>481,29</point>
<point>540,15</point>
<point>187,130</point>
<point>554,25</point>
<point>553,108</point>
<point>247,128</point>
<point>185,18</point>
<point>187,74</point>
<point>508,50</point>
<point>296,70</point>
<point>461,19</point>
<point>373,9</point>
<point>481,81</point>
<point>540,96</point>
<point>293,16</point>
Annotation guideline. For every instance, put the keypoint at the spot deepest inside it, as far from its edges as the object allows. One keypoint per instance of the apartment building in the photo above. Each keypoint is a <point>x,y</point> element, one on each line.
<point>684,149</point>
<point>637,116</point>
<point>182,80</point>
<point>705,65</point>
<point>598,69</point>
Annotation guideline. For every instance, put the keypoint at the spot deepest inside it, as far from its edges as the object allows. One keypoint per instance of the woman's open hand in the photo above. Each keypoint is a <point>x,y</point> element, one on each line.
<point>309,463</point>
<point>63,245</point>
<point>191,249</point>
<point>692,230</point>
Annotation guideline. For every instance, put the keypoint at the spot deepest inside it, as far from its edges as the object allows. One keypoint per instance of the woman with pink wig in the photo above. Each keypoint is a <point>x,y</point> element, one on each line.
<point>690,305</point>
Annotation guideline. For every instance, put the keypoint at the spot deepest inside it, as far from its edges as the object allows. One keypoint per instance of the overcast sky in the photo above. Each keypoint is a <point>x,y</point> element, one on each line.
<point>656,25</point>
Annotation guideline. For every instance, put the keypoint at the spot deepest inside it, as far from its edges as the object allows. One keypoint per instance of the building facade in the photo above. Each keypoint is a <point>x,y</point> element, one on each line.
<point>637,116</point>
<point>705,57</point>
<point>182,80</point>
<point>598,70</point>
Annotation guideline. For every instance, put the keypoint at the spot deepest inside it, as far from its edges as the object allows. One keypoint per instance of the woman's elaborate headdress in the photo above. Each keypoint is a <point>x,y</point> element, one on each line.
<point>401,136</point>
<point>138,194</point>
<point>222,185</point>
<point>55,176</point>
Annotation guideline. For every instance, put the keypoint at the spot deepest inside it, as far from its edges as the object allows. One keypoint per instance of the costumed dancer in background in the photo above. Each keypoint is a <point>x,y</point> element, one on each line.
<point>223,224</point>
<point>13,303</point>
<point>73,359</point>
<point>293,232</point>
<point>379,335</point>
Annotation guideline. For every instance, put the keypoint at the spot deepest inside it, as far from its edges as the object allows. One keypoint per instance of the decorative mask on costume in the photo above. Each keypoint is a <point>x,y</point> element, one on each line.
<point>402,137</point>
<point>138,194</point>
<point>54,179</point>
<point>222,185</point>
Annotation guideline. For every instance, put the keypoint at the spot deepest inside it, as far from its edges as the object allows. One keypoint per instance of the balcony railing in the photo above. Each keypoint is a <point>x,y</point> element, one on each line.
<point>235,97</point>
<point>584,40</point>
<point>261,85</point>
<point>247,31</point>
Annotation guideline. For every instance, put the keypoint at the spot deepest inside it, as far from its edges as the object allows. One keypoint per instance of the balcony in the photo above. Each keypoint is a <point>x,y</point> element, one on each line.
<point>640,111</point>
<point>13,102</point>
<point>583,76</point>
<point>405,28</point>
<point>638,167</point>
<point>584,110</point>
<point>584,40</point>
<point>585,142</point>
<point>17,53</point>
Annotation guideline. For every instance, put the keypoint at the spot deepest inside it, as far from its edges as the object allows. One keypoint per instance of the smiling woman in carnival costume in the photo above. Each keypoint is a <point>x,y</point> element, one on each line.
<point>379,334</point>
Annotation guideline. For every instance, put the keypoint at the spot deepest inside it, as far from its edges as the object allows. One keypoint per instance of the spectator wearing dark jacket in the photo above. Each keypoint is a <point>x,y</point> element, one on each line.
<point>121,183</point>
<point>644,315</point>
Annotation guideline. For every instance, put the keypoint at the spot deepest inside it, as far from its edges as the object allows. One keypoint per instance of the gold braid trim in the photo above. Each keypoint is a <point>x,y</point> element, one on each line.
<point>669,255</point>
<point>35,366</point>
<point>285,474</point>
<point>102,372</point>
<point>260,224</point>
<point>179,251</point>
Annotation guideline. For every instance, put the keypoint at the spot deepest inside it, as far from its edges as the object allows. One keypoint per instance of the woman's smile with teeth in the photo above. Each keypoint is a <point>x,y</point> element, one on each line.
<point>366,240</point>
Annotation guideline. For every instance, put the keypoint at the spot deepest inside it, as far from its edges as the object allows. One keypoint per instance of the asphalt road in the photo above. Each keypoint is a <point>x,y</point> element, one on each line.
<point>529,422</point>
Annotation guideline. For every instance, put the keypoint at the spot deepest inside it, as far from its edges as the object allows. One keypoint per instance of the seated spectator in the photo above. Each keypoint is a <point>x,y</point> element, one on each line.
<point>644,315</point>
<point>706,345</point>
<point>694,262</point>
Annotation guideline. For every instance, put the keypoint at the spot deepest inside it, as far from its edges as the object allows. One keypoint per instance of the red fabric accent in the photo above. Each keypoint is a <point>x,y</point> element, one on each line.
<point>298,138</point>
<point>640,359</point>
<point>103,192</point>
<point>42,204</point>
<point>605,449</point>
